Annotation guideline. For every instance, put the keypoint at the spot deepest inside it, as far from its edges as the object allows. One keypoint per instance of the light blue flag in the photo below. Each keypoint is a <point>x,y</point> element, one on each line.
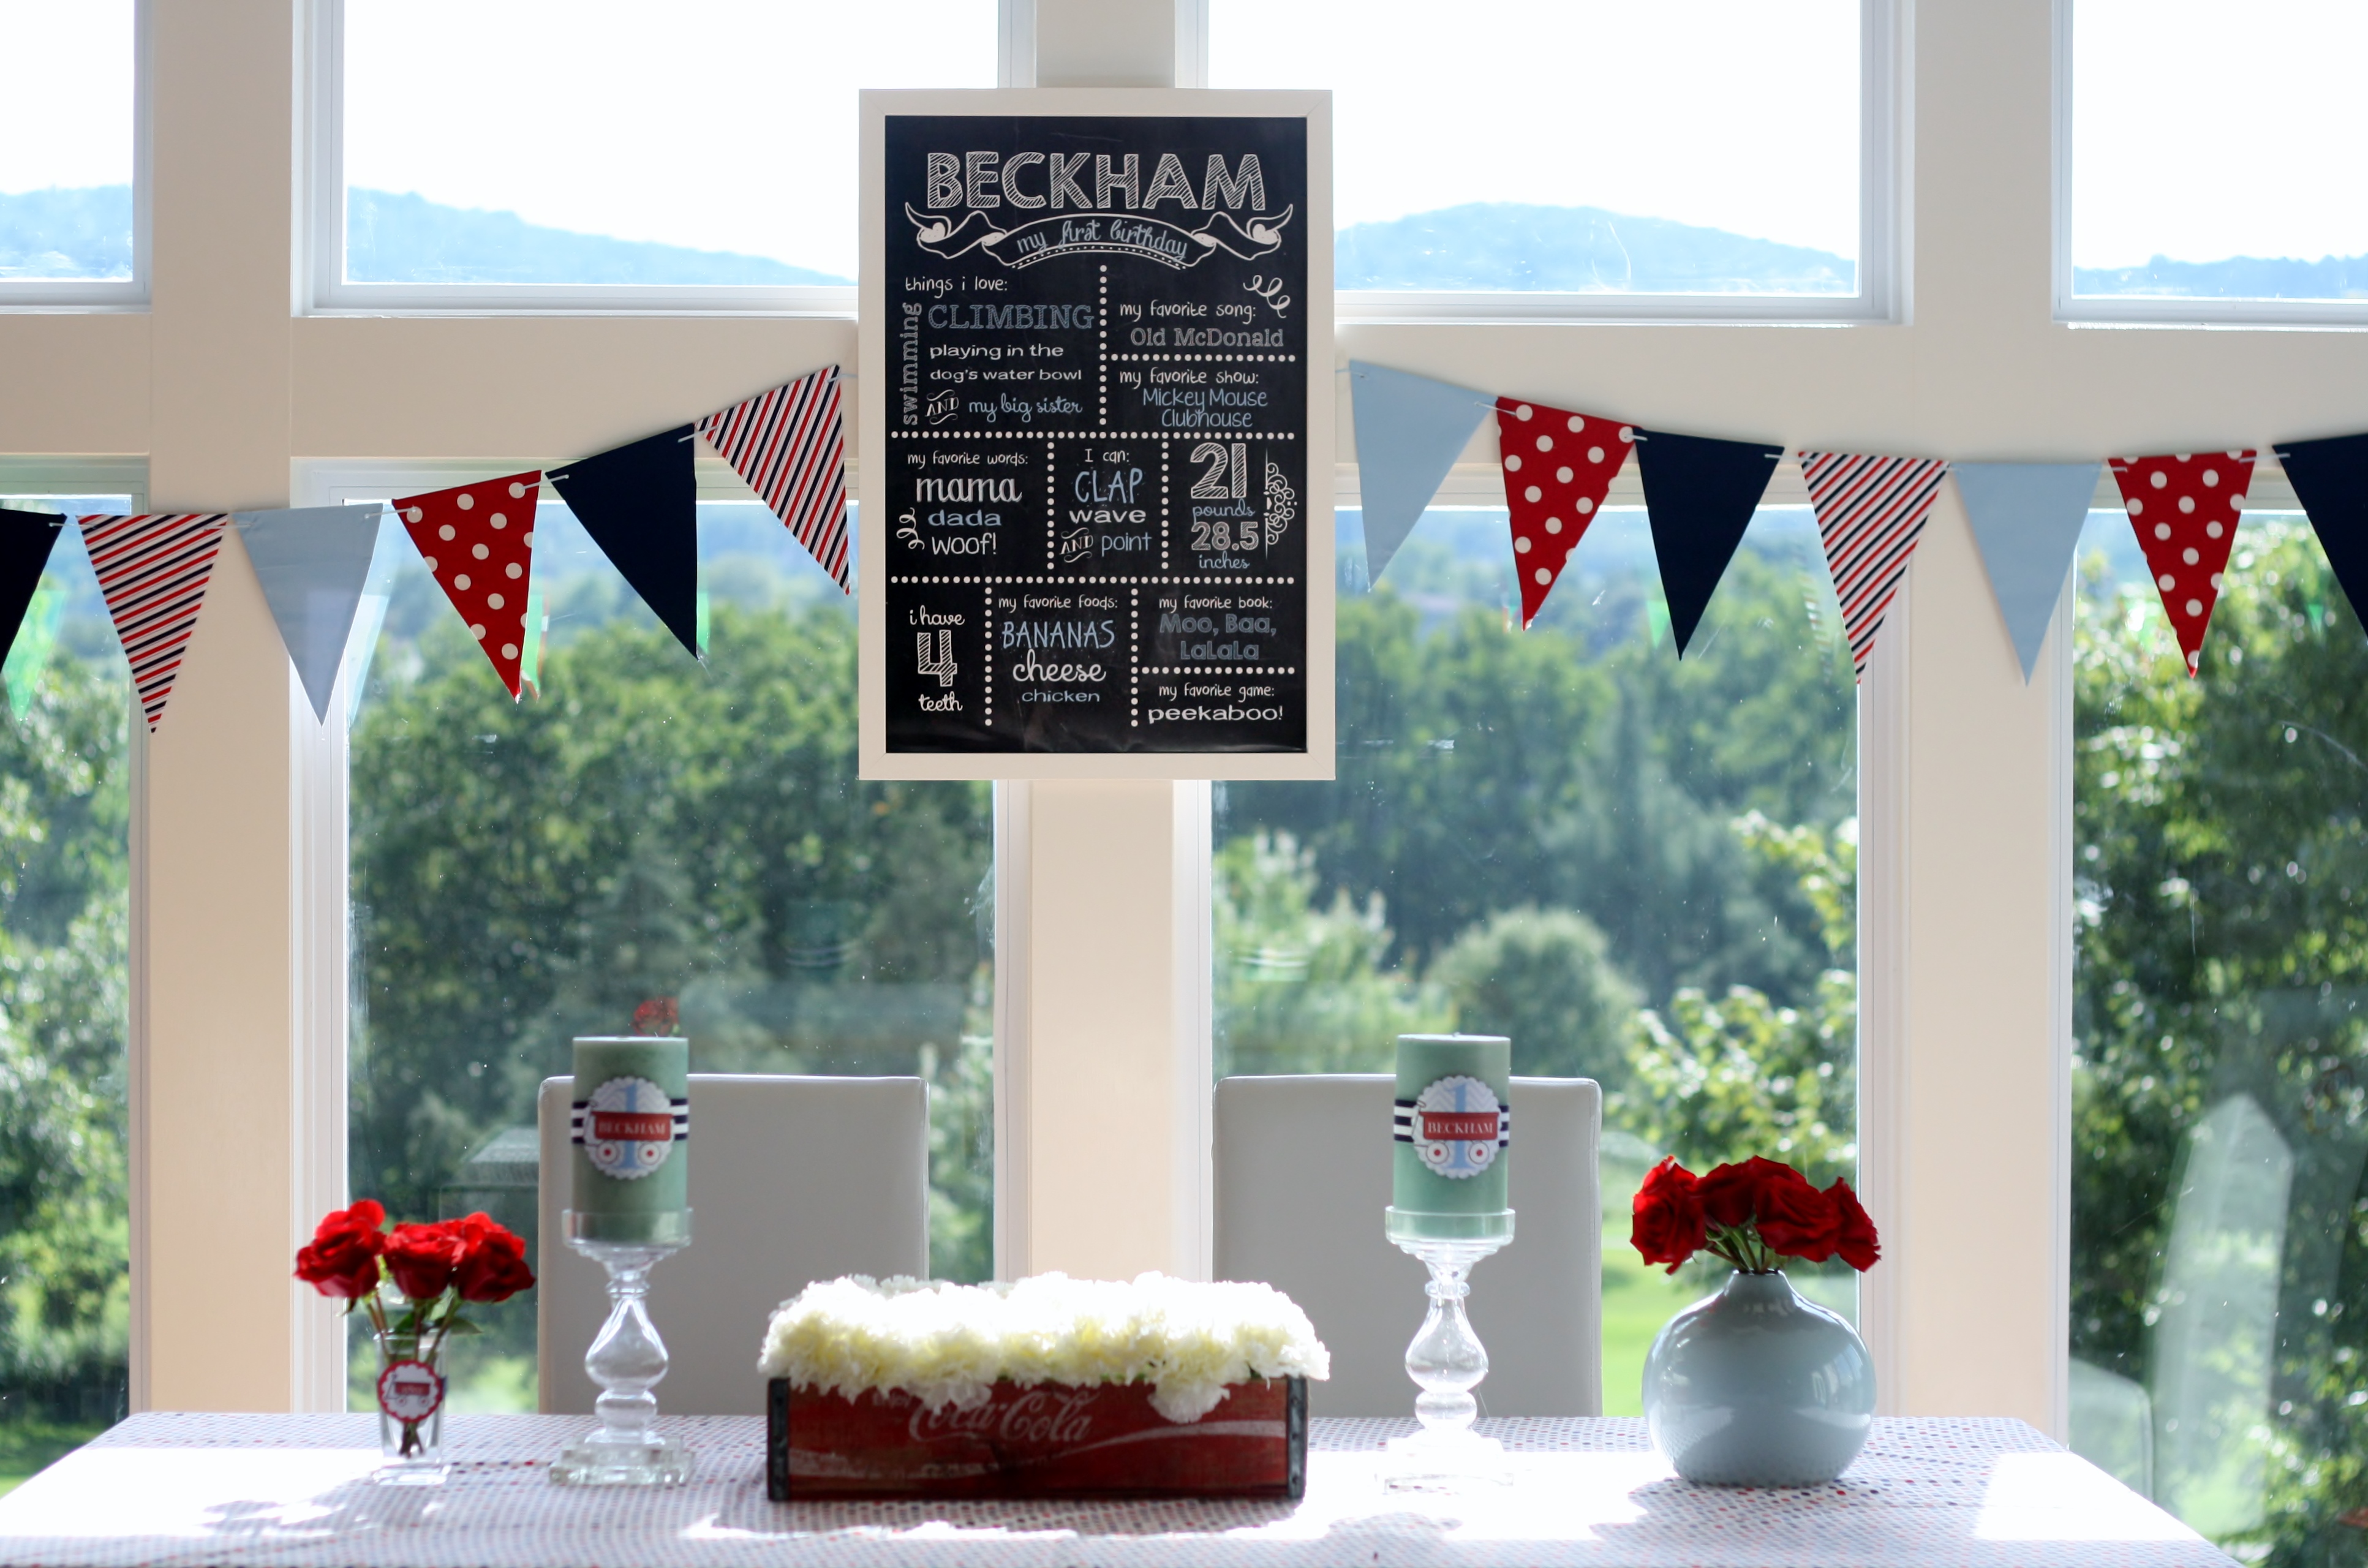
<point>1410,430</point>
<point>2027,520</point>
<point>313,562</point>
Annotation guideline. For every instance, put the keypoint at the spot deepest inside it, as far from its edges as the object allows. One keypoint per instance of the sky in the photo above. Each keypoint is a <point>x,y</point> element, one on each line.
<point>69,123</point>
<point>2199,131</point>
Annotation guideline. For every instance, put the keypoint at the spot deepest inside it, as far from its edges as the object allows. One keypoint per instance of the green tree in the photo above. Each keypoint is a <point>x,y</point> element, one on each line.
<point>1544,978</point>
<point>64,929</point>
<point>1301,986</point>
<point>2222,875</point>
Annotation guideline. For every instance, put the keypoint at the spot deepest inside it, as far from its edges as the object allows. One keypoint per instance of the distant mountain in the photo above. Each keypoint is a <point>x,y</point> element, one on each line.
<point>87,232</point>
<point>2238,277</point>
<point>83,232</point>
<point>409,239</point>
<point>1506,245</point>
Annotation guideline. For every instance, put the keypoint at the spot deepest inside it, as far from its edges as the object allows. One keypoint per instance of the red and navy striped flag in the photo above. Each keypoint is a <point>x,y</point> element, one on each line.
<point>790,444</point>
<point>1869,511</point>
<point>153,569</point>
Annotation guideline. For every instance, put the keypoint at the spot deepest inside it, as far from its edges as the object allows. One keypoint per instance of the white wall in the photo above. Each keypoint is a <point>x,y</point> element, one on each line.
<point>223,389</point>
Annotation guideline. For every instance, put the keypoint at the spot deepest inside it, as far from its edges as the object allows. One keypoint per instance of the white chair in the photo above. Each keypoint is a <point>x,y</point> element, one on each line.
<point>791,1180</point>
<point>1302,1174</point>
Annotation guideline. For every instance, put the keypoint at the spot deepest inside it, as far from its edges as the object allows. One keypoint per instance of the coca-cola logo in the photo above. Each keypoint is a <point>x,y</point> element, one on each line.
<point>1036,1415</point>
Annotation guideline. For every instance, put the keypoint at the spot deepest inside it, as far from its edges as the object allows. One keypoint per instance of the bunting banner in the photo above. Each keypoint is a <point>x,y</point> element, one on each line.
<point>1870,511</point>
<point>789,445</point>
<point>478,542</point>
<point>313,562</point>
<point>2330,479</point>
<point>1410,430</point>
<point>2026,519</point>
<point>25,541</point>
<point>640,504</point>
<point>1699,495</point>
<point>153,569</point>
<point>1559,467</point>
<point>2185,509</point>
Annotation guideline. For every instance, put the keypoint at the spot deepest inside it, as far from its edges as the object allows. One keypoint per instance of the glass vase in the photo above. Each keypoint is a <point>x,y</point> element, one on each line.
<point>410,1389</point>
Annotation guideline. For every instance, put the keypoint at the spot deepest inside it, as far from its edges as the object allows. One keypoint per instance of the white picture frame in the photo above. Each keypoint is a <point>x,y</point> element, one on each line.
<point>873,385</point>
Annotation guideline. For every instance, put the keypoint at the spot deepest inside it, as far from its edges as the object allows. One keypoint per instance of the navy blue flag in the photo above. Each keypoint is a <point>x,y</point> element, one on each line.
<point>640,504</point>
<point>2330,478</point>
<point>26,539</point>
<point>1699,493</point>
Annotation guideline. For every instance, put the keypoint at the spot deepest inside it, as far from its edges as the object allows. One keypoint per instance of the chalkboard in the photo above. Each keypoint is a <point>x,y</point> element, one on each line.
<point>1094,500</point>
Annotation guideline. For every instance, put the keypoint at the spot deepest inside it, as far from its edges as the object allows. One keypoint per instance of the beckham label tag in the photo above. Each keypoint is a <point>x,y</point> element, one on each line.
<point>628,1127</point>
<point>1456,1126</point>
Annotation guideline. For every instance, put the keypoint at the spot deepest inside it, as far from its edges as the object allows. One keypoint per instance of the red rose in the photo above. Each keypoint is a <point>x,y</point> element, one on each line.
<point>423,1259</point>
<point>1729,1194</point>
<point>492,1261</point>
<point>1795,1219</point>
<point>1669,1216</point>
<point>341,1260</point>
<point>1856,1241</point>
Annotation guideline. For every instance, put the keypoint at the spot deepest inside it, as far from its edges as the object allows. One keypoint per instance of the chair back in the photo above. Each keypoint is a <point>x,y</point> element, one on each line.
<point>791,1180</point>
<point>1302,1174</point>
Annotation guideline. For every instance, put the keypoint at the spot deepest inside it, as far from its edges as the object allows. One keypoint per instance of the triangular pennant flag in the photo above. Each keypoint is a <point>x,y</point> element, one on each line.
<point>478,541</point>
<point>1699,493</point>
<point>1870,512</point>
<point>2026,519</point>
<point>313,562</point>
<point>153,569</point>
<point>25,541</point>
<point>640,504</point>
<point>1559,467</point>
<point>2330,479</point>
<point>789,445</point>
<point>2185,509</point>
<point>1410,429</point>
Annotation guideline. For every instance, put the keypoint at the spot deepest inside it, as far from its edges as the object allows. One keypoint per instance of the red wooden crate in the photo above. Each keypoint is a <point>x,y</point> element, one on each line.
<point>1054,1440</point>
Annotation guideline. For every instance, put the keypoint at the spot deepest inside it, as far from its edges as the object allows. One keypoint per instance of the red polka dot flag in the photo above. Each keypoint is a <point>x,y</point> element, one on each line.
<point>1870,511</point>
<point>1559,467</point>
<point>153,570</point>
<point>2185,509</point>
<point>478,541</point>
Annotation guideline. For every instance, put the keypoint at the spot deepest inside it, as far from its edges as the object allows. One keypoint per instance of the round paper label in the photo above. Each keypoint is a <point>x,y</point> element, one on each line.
<point>628,1128</point>
<point>410,1391</point>
<point>1457,1127</point>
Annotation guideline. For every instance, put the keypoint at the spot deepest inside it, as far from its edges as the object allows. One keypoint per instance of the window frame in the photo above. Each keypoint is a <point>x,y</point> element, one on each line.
<point>87,294</point>
<point>1885,41</point>
<point>2150,310</point>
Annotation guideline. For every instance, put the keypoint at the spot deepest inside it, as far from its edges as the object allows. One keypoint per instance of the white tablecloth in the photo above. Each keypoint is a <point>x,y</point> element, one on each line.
<point>294,1490</point>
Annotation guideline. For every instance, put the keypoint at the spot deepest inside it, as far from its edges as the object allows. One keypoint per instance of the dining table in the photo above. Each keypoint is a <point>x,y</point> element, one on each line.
<point>184,1488</point>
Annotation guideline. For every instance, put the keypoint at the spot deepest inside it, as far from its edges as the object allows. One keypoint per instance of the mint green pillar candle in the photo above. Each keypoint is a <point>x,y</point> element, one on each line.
<point>631,1138</point>
<point>1454,1128</point>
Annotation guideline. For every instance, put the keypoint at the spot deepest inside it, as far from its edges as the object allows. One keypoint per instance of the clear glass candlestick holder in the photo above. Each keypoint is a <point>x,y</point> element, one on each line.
<point>1446,1359</point>
<point>627,1358</point>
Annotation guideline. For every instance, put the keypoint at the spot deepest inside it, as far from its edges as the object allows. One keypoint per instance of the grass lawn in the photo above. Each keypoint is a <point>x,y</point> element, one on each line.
<point>27,1447</point>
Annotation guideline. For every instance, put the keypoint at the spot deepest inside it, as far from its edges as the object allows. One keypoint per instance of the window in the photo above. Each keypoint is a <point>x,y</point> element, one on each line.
<point>1582,157</point>
<point>70,199</point>
<point>645,828</point>
<point>1641,870</point>
<point>2220,209</point>
<point>508,153</point>
<point>2219,1324</point>
<point>65,768</point>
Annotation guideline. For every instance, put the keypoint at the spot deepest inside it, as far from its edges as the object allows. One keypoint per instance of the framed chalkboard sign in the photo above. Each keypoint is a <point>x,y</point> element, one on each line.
<point>1096,459</point>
